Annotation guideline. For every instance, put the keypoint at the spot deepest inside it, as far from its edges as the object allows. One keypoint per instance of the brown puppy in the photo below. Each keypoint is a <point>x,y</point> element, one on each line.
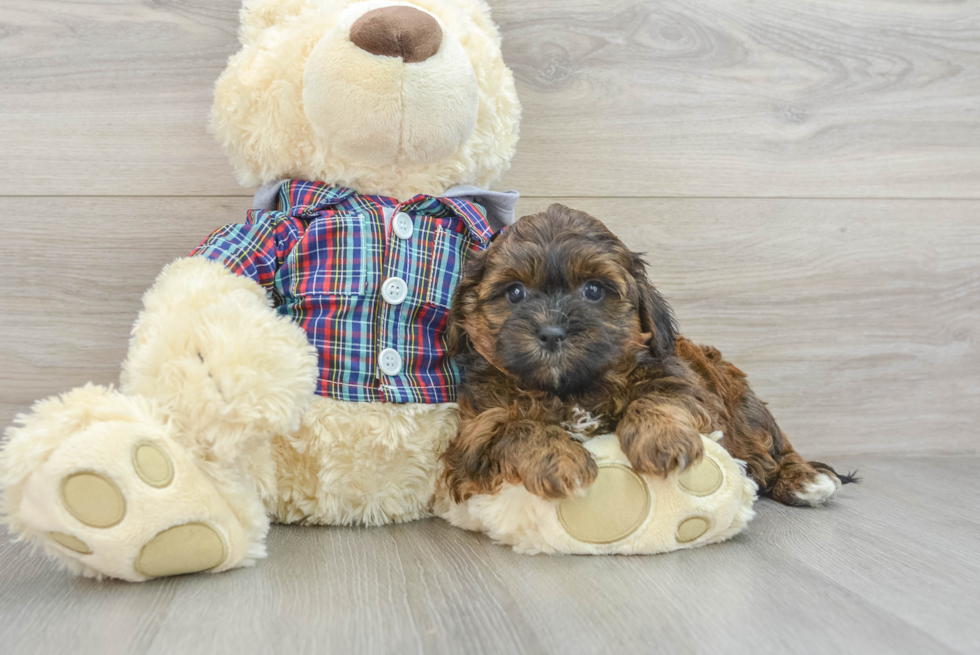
<point>559,330</point>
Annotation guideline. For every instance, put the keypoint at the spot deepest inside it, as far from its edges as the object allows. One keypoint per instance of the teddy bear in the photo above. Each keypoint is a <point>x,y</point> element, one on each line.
<point>294,367</point>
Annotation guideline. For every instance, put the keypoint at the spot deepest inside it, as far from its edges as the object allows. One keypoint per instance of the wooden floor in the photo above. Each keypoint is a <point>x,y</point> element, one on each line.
<point>805,179</point>
<point>892,567</point>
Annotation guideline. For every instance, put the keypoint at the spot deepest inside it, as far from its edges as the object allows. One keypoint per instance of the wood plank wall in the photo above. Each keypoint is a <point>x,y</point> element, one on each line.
<point>804,176</point>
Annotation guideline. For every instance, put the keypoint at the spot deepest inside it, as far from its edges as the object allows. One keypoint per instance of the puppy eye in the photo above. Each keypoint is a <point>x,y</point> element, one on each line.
<point>593,291</point>
<point>516,293</point>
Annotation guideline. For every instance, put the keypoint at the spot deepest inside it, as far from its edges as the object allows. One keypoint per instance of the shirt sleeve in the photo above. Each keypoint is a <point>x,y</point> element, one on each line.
<point>255,249</point>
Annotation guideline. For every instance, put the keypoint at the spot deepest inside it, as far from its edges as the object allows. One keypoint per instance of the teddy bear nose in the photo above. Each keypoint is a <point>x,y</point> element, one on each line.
<point>398,31</point>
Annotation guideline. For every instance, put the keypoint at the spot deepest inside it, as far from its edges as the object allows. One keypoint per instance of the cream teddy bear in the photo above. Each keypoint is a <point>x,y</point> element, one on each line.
<point>294,367</point>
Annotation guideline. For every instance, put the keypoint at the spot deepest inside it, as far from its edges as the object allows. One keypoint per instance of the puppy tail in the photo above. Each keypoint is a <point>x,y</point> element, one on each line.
<point>845,478</point>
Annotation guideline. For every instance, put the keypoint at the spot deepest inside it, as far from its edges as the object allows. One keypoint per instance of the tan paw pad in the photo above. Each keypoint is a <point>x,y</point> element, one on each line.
<point>613,508</point>
<point>702,479</point>
<point>188,548</point>
<point>692,528</point>
<point>153,465</point>
<point>70,542</point>
<point>93,499</point>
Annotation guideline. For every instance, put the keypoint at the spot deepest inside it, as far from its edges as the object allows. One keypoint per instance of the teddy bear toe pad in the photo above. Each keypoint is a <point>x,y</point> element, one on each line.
<point>188,548</point>
<point>70,542</point>
<point>691,529</point>
<point>613,507</point>
<point>93,499</point>
<point>152,465</point>
<point>702,479</point>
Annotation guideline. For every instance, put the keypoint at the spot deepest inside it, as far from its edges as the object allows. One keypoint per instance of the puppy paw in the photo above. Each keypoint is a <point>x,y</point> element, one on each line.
<point>662,458</point>
<point>659,440</point>
<point>818,491</point>
<point>559,471</point>
<point>805,484</point>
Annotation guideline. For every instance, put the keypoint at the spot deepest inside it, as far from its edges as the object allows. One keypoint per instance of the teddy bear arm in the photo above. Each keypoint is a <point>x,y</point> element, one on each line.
<point>209,346</point>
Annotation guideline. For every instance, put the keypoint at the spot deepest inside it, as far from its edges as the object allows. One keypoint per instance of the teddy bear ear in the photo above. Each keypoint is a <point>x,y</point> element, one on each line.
<point>259,15</point>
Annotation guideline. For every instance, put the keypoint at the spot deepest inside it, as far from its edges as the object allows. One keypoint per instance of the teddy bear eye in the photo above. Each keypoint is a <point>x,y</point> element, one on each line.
<point>516,293</point>
<point>592,290</point>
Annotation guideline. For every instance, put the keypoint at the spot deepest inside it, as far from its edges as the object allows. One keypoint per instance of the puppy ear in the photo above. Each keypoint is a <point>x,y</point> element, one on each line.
<point>464,299</point>
<point>656,316</point>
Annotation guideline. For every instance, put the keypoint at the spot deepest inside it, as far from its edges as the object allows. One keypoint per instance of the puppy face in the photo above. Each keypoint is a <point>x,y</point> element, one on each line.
<point>557,301</point>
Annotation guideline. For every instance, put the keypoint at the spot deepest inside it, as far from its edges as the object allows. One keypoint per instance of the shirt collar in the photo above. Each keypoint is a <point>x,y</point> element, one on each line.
<point>473,215</point>
<point>300,197</point>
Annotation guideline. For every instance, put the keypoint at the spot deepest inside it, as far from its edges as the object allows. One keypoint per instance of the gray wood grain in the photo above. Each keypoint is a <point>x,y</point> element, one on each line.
<point>855,319</point>
<point>822,98</point>
<point>856,316</point>
<point>112,97</point>
<point>890,567</point>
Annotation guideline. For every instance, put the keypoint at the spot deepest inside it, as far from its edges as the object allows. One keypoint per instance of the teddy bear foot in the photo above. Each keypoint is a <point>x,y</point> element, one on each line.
<point>96,502</point>
<point>619,502</point>
<point>119,496</point>
<point>621,512</point>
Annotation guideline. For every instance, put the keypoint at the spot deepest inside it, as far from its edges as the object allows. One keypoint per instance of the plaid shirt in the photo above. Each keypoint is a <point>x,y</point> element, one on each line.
<point>324,256</point>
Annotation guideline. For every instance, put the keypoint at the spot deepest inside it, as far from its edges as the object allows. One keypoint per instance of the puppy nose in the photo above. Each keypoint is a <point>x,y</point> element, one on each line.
<point>551,336</point>
<point>398,31</point>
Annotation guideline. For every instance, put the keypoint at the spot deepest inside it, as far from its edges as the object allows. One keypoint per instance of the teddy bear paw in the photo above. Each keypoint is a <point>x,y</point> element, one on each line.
<point>124,499</point>
<point>698,505</point>
<point>619,502</point>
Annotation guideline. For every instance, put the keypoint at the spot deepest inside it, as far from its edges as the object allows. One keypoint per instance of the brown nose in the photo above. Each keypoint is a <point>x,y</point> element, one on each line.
<point>397,31</point>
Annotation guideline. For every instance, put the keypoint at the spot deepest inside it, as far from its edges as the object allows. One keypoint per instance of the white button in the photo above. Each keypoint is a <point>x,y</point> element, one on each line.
<point>390,362</point>
<point>394,290</point>
<point>403,226</point>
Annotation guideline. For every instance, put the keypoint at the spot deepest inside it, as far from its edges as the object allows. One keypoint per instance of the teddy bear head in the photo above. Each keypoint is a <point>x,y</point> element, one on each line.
<point>391,98</point>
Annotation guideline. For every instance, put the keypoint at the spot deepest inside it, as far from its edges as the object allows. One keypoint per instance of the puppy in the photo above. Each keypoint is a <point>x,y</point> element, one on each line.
<point>562,336</point>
